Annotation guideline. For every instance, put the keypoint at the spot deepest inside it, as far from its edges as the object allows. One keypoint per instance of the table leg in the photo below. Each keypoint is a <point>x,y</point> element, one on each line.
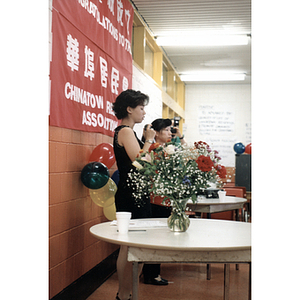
<point>135,280</point>
<point>208,272</point>
<point>237,218</point>
<point>249,292</point>
<point>208,267</point>
<point>247,211</point>
<point>226,281</point>
<point>237,215</point>
<point>246,216</point>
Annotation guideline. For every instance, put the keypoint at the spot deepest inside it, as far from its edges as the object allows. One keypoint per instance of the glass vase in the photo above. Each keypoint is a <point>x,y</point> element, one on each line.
<point>178,221</point>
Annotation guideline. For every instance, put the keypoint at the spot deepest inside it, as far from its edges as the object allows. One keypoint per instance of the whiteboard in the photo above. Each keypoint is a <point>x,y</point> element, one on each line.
<point>144,83</point>
<point>219,115</point>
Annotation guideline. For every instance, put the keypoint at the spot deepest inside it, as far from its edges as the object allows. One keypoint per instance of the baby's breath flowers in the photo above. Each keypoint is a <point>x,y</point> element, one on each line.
<point>174,172</point>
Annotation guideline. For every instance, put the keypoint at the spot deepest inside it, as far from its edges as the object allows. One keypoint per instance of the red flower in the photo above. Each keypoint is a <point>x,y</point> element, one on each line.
<point>221,171</point>
<point>153,147</point>
<point>205,164</point>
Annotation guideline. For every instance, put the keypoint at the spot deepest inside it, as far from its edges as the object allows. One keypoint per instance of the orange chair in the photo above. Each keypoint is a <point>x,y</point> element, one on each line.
<point>237,187</point>
<point>236,192</point>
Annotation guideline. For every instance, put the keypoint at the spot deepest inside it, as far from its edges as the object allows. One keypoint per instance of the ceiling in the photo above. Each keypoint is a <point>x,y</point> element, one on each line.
<point>213,17</point>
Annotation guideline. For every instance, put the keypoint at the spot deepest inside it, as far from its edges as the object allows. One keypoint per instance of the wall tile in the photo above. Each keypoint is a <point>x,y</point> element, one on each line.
<point>76,136</point>
<point>72,158</point>
<point>71,269</point>
<point>83,154</point>
<point>67,215</point>
<point>55,133</point>
<point>107,139</point>
<point>79,190</point>
<point>54,188</point>
<point>61,157</point>
<point>52,156</point>
<point>88,138</point>
<point>66,186</point>
<point>60,218</point>
<point>68,243</point>
<point>66,135</point>
<point>57,279</point>
<point>99,139</point>
<point>72,249</point>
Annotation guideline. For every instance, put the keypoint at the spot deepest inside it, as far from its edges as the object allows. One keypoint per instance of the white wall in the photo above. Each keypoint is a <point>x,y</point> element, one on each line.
<point>144,83</point>
<point>219,115</point>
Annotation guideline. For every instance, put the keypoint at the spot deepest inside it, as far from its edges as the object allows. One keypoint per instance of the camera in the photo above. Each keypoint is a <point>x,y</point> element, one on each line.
<point>176,124</point>
<point>145,127</point>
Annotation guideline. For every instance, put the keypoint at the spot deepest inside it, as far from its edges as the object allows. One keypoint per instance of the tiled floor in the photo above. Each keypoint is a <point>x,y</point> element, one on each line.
<point>187,282</point>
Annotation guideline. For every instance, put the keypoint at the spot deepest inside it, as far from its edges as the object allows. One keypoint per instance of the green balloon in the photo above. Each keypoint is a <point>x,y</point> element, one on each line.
<point>94,175</point>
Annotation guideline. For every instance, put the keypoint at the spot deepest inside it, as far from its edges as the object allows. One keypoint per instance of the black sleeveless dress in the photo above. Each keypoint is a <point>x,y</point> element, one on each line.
<point>123,198</point>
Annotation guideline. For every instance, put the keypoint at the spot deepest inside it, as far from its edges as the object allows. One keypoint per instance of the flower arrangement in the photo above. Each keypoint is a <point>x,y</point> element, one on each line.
<point>175,172</point>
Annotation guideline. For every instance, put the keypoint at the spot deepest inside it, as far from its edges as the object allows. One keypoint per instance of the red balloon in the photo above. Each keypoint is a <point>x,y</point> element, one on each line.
<point>104,153</point>
<point>248,149</point>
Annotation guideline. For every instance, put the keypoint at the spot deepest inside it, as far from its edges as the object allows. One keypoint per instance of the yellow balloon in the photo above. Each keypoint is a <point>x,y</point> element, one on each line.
<point>110,212</point>
<point>104,196</point>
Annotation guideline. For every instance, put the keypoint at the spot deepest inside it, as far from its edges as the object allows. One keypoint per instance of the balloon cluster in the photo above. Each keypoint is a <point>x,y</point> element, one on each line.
<point>95,176</point>
<point>239,148</point>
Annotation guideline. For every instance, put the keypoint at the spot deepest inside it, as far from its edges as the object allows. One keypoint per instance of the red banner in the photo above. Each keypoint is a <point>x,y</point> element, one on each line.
<point>91,62</point>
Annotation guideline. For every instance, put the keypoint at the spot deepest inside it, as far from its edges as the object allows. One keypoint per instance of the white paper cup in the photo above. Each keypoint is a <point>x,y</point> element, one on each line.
<point>123,219</point>
<point>222,195</point>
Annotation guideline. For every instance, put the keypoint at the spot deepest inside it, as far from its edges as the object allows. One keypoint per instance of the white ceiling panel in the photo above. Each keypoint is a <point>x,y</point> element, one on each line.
<point>174,17</point>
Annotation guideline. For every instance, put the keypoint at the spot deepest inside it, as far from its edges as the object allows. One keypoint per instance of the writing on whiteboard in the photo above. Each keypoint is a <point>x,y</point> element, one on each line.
<point>215,120</point>
<point>216,126</point>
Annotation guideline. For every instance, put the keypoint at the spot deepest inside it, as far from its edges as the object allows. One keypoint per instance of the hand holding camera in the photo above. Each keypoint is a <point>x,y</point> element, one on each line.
<point>149,133</point>
<point>174,128</point>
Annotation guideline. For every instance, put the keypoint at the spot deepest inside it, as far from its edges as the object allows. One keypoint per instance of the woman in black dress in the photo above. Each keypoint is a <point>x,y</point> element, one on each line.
<point>129,107</point>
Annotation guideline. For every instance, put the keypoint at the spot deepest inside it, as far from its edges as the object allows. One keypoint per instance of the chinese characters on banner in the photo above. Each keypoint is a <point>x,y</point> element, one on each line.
<point>91,62</point>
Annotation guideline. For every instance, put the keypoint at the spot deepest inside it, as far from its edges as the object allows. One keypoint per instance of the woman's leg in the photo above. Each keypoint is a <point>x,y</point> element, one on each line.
<point>124,270</point>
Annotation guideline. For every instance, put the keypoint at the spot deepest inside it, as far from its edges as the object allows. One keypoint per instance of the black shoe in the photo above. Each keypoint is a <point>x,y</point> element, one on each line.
<point>117,297</point>
<point>156,281</point>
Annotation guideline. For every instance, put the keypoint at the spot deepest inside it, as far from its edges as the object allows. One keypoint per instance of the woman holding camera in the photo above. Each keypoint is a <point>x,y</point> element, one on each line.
<point>166,130</point>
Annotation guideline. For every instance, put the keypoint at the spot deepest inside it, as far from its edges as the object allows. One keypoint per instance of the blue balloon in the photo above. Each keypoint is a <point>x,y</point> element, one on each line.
<point>94,175</point>
<point>239,148</point>
<point>116,177</point>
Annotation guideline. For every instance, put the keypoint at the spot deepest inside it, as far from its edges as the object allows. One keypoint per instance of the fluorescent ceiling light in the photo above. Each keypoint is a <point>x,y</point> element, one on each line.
<point>202,40</point>
<point>213,76</point>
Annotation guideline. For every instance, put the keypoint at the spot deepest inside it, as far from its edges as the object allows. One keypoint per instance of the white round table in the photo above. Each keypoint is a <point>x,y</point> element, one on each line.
<point>206,241</point>
<point>214,205</point>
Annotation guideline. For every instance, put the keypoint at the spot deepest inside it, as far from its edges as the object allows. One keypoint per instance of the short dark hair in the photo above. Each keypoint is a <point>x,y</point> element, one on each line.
<point>128,98</point>
<point>160,124</point>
